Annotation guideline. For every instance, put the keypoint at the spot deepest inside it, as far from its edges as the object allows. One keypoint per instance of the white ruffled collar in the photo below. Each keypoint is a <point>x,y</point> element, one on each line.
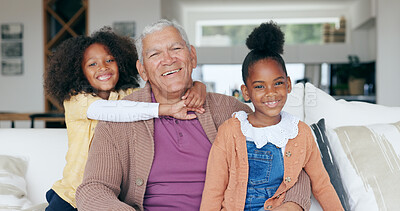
<point>278,134</point>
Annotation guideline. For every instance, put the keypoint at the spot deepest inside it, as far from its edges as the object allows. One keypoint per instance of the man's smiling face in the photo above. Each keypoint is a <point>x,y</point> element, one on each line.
<point>167,62</point>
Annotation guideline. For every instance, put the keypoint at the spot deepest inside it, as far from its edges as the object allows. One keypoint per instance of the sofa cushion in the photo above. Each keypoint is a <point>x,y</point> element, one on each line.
<point>329,162</point>
<point>12,183</point>
<point>368,158</point>
<point>318,104</point>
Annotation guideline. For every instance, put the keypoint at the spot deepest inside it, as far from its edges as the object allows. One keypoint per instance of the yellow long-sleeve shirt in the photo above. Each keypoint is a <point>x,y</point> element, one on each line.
<point>80,131</point>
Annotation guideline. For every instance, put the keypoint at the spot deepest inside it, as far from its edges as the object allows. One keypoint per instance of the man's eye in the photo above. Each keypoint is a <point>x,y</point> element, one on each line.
<point>153,55</point>
<point>259,87</point>
<point>279,83</point>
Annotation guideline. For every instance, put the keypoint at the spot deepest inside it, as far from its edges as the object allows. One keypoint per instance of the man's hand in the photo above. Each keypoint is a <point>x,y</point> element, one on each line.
<point>288,206</point>
<point>195,97</point>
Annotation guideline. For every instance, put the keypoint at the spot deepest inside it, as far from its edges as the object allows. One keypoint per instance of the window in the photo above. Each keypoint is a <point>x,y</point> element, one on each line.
<point>234,32</point>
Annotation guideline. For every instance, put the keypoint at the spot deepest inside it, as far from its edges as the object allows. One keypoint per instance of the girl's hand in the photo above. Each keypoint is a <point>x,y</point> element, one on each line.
<point>195,97</point>
<point>177,110</point>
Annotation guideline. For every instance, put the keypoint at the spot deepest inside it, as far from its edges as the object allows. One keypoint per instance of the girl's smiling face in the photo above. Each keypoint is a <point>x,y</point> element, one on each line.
<point>100,69</point>
<point>267,88</point>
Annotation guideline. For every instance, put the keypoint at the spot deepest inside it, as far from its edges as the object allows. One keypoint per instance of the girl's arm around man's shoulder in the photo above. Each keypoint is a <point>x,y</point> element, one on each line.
<point>77,106</point>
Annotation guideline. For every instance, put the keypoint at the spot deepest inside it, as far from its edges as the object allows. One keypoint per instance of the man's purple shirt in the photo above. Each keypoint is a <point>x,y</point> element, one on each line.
<point>177,176</point>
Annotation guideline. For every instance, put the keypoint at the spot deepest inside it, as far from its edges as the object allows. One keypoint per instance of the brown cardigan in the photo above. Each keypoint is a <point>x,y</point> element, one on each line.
<point>121,156</point>
<point>227,170</point>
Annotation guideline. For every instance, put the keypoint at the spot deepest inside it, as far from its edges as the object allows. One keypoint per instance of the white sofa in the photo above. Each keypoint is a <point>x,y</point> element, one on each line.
<point>45,149</point>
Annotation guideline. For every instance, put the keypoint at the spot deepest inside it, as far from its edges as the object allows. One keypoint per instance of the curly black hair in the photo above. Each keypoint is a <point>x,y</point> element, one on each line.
<point>265,42</point>
<point>64,75</point>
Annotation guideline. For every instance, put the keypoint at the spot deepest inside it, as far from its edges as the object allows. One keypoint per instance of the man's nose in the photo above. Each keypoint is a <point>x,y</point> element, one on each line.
<point>167,58</point>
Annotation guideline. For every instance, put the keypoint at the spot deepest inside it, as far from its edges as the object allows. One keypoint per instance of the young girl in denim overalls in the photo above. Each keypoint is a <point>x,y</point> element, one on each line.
<point>257,157</point>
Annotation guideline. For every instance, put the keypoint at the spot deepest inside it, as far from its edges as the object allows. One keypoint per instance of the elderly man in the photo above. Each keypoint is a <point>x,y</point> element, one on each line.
<point>160,164</point>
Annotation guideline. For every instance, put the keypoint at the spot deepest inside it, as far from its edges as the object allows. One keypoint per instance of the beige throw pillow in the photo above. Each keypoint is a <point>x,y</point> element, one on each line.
<point>368,158</point>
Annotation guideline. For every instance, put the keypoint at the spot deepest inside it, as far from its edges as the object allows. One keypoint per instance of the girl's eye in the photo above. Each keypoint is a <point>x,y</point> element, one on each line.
<point>92,64</point>
<point>110,60</point>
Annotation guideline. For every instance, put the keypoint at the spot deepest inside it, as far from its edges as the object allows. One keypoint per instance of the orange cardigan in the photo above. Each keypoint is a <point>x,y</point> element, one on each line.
<point>227,170</point>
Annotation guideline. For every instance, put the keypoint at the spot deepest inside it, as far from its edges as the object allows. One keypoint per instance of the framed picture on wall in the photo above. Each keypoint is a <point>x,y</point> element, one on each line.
<point>125,28</point>
<point>11,67</point>
<point>11,31</point>
<point>11,49</point>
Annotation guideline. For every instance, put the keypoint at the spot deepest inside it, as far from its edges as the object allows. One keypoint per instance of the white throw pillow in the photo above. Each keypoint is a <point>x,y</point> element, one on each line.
<point>294,104</point>
<point>318,104</point>
<point>12,183</point>
<point>368,158</point>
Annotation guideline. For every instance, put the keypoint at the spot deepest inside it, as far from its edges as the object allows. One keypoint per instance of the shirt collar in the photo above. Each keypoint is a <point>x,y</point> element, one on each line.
<point>278,134</point>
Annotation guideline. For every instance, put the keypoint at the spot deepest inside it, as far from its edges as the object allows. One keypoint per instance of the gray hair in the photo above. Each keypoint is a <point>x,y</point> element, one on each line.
<point>158,26</point>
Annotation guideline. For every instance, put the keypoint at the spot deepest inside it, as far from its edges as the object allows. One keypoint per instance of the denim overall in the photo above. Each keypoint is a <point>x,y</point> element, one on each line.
<point>265,174</point>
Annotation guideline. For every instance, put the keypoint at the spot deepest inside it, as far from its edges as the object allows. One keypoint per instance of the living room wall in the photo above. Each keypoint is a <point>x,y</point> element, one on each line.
<point>388,52</point>
<point>24,93</point>
<point>106,12</point>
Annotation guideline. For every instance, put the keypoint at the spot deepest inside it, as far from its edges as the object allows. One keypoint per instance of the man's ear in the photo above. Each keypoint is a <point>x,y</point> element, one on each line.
<point>193,55</point>
<point>245,93</point>
<point>141,70</point>
<point>289,84</point>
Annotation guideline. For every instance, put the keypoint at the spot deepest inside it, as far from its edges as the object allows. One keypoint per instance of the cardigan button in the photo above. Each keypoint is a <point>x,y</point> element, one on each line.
<point>288,154</point>
<point>269,207</point>
<point>139,182</point>
<point>288,179</point>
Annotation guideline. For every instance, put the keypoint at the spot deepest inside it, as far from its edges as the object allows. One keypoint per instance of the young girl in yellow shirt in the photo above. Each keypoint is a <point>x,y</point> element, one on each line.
<point>86,69</point>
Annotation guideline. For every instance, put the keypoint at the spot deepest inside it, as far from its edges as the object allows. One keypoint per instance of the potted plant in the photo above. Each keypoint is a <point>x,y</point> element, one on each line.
<point>357,76</point>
